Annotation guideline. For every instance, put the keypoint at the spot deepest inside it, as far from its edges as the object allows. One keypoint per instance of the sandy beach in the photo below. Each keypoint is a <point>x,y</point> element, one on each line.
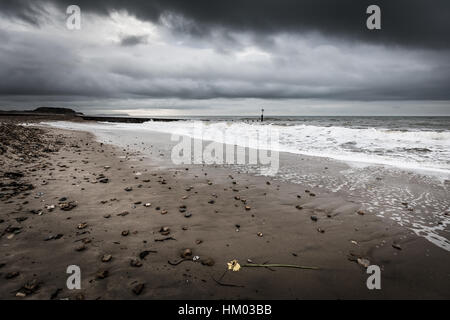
<point>67,199</point>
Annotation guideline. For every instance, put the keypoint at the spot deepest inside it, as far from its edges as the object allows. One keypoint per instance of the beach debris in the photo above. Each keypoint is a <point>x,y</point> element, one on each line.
<point>187,215</point>
<point>67,206</point>
<point>135,263</point>
<point>354,242</point>
<point>28,288</point>
<point>145,253</point>
<point>123,214</point>
<point>396,246</point>
<point>137,289</point>
<point>148,204</point>
<point>82,225</point>
<point>102,274</point>
<point>106,258</point>
<point>195,258</point>
<point>125,233</point>
<point>50,207</point>
<point>235,266</point>
<point>363,262</point>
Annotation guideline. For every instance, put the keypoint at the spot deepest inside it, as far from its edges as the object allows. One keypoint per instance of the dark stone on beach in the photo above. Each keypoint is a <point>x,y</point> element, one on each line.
<point>208,262</point>
<point>128,189</point>
<point>187,215</point>
<point>135,263</point>
<point>107,216</point>
<point>12,275</point>
<point>125,233</point>
<point>320,230</point>
<point>67,206</point>
<point>360,212</point>
<point>54,237</point>
<point>123,214</point>
<point>62,199</point>
<point>102,274</point>
<point>299,196</point>
<point>55,294</point>
<point>186,253</point>
<point>312,194</point>
<point>137,290</point>
<point>21,219</point>
<point>396,246</point>
<point>80,248</point>
<point>145,253</point>
<point>299,207</point>
<point>103,180</point>
<point>314,218</point>
<point>211,201</point>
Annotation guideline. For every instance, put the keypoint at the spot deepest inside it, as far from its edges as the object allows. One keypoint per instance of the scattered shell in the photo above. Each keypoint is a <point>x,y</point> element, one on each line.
<point>259,234</point>
<point>163,211</point>
<point>187,215</point>
<point>82,225</point>
<point>148,204</point>
<point>396,246</point>
<point>314,218</point>
<point>363,262</point>
<point>125,233</point>
<point>360,212</point>
<point>106,258</point>
<point>248,208</point>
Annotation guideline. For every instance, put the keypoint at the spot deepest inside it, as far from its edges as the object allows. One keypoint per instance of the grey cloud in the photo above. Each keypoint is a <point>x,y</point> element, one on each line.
<point>404,22</point>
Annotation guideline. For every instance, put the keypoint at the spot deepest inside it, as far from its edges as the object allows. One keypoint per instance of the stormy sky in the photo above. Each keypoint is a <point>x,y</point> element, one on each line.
<point>175,57</point>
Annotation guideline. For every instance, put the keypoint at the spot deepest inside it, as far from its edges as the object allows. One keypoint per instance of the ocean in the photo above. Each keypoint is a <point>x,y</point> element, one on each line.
<point>378,162</point>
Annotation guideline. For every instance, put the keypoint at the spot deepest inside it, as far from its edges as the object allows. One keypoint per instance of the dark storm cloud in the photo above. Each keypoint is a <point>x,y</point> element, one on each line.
<point>405,22</point>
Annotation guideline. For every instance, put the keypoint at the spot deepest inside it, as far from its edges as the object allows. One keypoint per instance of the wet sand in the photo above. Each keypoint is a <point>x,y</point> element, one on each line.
<point>283,223</point>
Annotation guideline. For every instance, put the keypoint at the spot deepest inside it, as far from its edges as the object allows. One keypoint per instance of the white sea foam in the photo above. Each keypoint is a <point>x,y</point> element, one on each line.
<point>427,151</point>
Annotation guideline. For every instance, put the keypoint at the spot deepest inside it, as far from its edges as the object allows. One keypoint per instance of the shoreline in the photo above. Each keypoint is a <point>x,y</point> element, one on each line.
<point>289,235</point>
